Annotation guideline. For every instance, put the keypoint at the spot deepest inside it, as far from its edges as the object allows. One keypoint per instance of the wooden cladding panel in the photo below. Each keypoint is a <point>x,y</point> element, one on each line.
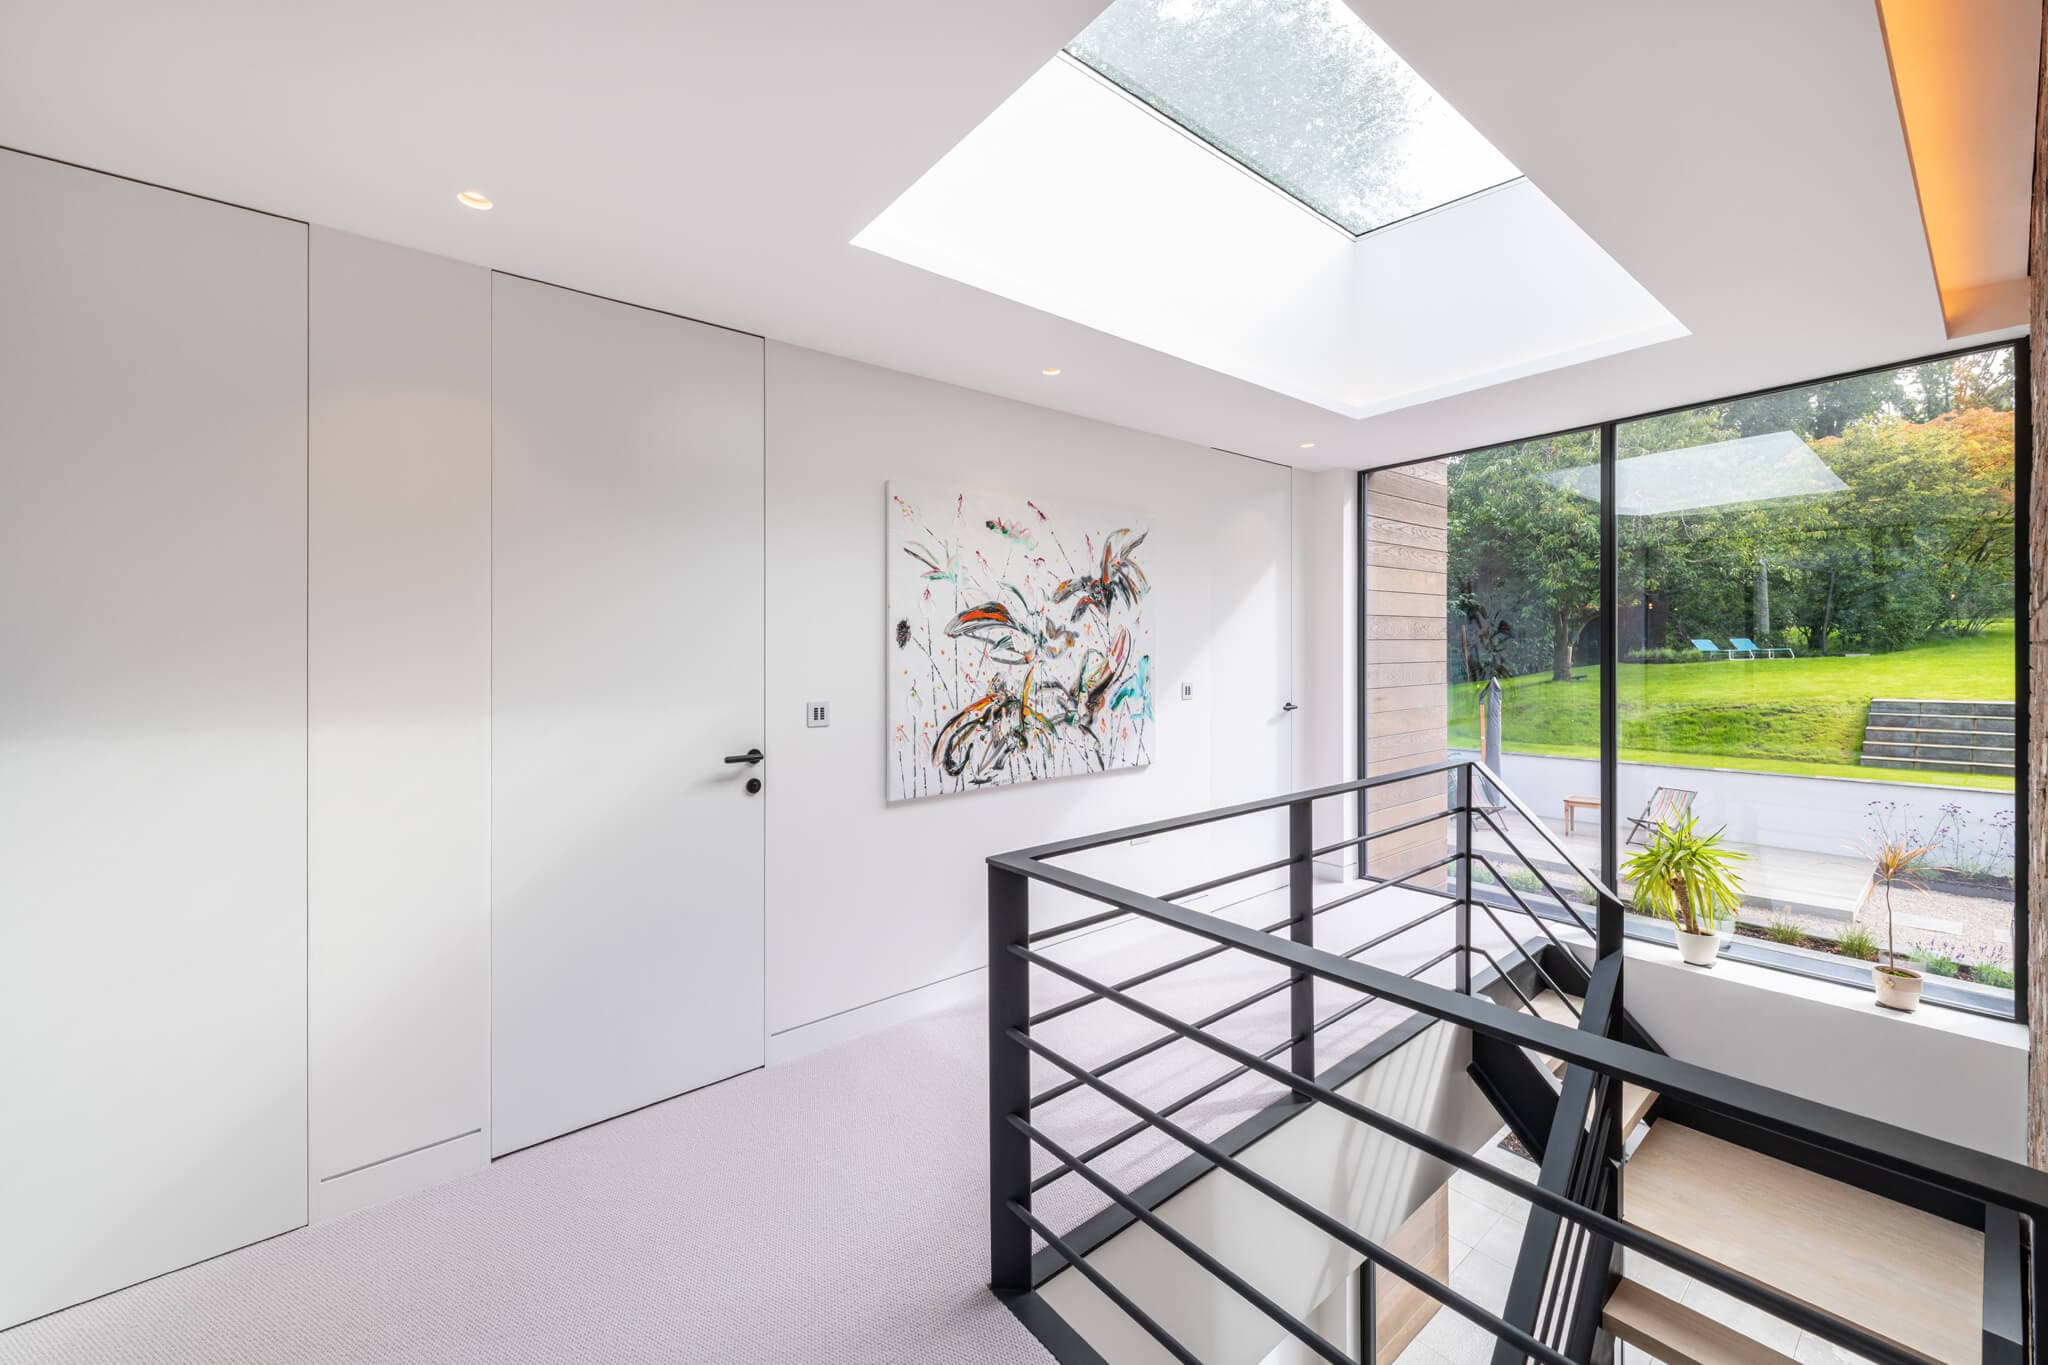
<point>1400,1309</point>
<point>1406,575</point>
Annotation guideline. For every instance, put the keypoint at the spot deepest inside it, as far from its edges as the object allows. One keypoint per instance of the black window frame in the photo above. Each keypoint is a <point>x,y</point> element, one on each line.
<point>1758,951</point>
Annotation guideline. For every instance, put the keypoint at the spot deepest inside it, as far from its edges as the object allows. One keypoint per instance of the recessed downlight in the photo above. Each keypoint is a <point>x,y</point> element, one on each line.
<point>1050,370</point>
<point>1308,445</point>
<point>473,199</point>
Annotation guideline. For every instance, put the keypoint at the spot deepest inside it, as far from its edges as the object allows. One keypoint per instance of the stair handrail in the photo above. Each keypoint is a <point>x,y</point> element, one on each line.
<point>2006,1188</point>
<point>1493,779</point>
<point>1932,1161</point>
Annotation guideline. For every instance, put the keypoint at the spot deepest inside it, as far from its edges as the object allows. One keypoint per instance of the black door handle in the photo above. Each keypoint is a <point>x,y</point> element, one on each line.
<point>750,756</point>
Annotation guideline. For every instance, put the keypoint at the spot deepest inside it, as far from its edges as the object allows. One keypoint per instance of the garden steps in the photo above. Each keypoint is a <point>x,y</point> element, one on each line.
<point>1833,1247</point>
<point>1941,736</point>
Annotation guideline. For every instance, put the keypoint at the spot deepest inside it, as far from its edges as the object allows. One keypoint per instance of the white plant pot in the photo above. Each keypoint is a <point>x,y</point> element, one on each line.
<point>1698,949</point>
<point>1897,992</point>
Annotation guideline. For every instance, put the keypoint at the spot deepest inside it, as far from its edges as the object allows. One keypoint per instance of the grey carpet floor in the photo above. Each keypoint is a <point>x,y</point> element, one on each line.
<point>828,1210</point>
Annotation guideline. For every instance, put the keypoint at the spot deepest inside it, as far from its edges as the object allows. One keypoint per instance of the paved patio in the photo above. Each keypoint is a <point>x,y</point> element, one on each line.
<point>1776,881</point>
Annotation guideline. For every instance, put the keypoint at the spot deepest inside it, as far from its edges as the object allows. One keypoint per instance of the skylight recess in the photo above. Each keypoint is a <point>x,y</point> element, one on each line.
<point>1303,94</point>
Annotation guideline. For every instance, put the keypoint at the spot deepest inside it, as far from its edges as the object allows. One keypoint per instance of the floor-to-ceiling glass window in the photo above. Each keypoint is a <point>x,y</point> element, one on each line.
<point>1818,660</point>
<point>1523,629</point>
<point>1817,640</point>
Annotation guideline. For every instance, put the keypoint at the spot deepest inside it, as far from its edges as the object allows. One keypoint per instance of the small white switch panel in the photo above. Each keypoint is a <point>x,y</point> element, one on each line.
<point>1187,691</point>
<point>818,713</point>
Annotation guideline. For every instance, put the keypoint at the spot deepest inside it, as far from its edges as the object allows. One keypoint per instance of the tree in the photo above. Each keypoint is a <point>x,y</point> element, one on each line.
<point>1528,546</point>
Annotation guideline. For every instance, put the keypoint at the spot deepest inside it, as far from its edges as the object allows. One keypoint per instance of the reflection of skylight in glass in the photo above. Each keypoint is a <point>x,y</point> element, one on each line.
<point>1762,468</point>
<point>1302,93</point>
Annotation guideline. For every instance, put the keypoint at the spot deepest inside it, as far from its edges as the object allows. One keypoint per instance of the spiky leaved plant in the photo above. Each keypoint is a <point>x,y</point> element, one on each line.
<point>1685,876</point>
<point>1893,861</point>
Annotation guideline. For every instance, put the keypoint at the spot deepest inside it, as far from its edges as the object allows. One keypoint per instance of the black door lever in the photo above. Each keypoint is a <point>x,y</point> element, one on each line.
<point>750,756</point>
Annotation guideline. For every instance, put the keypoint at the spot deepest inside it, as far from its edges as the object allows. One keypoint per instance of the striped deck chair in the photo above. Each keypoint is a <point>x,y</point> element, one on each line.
<point>1665,803</point>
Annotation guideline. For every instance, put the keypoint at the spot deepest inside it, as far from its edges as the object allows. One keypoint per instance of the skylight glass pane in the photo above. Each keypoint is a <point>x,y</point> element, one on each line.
<point>1302,92</point>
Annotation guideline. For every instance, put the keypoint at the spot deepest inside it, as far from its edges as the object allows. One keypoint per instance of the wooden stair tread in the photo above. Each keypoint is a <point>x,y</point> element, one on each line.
<point>1833,1247</point>
<point>1678,1335</point>
<point>1635,1103</point>
<point>1550,1005</point>
<point>1635,1100</point>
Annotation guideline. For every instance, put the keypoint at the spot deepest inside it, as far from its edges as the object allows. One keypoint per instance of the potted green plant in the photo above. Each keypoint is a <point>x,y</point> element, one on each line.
<point>1893,862</point>
<point>1688,878</point>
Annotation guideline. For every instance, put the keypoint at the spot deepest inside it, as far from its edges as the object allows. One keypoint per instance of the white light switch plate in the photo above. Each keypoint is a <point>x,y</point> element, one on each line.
<point>818,713</point>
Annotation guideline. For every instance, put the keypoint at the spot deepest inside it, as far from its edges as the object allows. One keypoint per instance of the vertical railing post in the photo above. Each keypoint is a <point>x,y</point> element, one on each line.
<point>1009,1081</point>
<point>1464,786</point>
<point>1368,1313</point>
<point>1301,927</point>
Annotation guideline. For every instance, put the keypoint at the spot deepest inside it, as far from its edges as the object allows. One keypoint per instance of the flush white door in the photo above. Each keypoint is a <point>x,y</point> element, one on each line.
<point>152,731</point>
<point>626,855</point>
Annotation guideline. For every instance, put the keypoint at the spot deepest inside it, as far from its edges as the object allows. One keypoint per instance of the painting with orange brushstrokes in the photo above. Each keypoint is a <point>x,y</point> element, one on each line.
<point>1019,641</point>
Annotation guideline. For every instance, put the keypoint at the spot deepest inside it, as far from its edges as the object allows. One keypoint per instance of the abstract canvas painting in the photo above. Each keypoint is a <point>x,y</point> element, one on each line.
<point>1019,641</point>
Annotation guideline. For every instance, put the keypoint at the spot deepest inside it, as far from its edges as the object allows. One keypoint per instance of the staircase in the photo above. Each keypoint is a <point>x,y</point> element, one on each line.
<point>1943,736</point>
<point>1830,1247</point>
<point>1910,1278</point>
<point>1830,1234</point>
<point>1636,1100</point>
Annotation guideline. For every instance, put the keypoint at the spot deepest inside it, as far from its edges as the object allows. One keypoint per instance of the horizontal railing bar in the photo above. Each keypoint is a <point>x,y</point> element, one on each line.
<point>1144,1050</point>
<point>1501,789</point>
<point>1199,887</point>
<point>1085,922</point>
<point>1542,921</point>
<point>1060,848</point>
<point>1502,973</point>
<point>1530,958</point>
<point>1051,1012</point>
<point>1932,1161</point>
<point>1103,917</point>
<point>1416,923</point>
<point>1537,872</point>
<point>1202,955</point>
<point>1446,813</point>
<point>1300,1330</point>
<point>1102,1282</point>
<point>1118,1139</point>
<point>1066,1007</point>
<point>1635,1239</point>
<point>1323,1222</point>
<point>1382,883</point>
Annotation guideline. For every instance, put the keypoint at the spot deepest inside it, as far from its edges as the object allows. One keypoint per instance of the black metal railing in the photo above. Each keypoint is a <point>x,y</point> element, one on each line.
<point>1574,1236</point>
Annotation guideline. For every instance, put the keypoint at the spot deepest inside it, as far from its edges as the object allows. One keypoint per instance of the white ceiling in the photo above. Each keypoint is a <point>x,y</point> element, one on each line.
<point>1742,160</point>
<point>1075,198</point>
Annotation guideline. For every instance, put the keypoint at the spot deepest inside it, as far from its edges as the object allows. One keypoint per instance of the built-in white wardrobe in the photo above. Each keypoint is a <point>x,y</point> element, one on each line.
<point>373,631</point>
<point>152,731</point>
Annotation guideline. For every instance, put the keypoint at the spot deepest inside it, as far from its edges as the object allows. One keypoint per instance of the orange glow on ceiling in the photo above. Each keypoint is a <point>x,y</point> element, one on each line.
<point>1965,75</point>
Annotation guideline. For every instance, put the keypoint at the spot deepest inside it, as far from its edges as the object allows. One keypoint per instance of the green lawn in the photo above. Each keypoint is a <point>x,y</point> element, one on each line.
<point>1770,715</point>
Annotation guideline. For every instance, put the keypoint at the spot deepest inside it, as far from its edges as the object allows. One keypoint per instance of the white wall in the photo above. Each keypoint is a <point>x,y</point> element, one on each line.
<point>1949,1074</point>
<point>399,703</point>
<point>152,731</point>
<point>867,899</point>
<point>1325,631</point>
<point>1776,810</point>
<point>247,715</point>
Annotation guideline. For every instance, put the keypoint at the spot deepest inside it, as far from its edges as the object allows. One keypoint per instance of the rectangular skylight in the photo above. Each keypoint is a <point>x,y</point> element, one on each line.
<point>1303,94</point>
